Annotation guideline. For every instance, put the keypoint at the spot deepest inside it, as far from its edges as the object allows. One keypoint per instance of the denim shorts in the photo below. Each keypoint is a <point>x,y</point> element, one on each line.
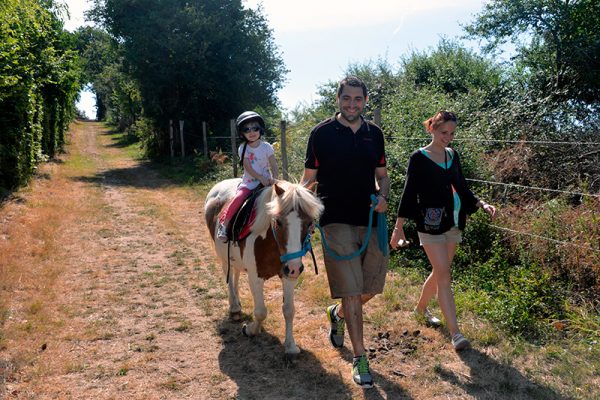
<point>454,235</point>
<point>363,274</point>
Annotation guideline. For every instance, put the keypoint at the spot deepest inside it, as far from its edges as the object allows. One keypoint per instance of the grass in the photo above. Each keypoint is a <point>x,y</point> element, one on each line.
<point>566,359</point>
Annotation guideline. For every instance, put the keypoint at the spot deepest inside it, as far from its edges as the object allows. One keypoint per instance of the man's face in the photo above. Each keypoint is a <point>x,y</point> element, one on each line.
<point>351,103</point>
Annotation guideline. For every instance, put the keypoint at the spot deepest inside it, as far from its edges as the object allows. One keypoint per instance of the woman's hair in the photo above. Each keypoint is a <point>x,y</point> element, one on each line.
<point>439,118</point>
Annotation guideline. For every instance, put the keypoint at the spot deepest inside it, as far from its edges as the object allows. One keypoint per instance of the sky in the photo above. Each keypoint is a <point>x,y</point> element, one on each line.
<point>319,39</point>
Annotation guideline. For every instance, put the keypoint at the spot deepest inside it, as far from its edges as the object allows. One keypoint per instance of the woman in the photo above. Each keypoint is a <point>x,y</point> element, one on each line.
<point>437,198</point>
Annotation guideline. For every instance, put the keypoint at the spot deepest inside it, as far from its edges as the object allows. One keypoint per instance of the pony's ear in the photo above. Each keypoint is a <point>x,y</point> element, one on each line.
<point>278,190</point>
<point>313,186</point>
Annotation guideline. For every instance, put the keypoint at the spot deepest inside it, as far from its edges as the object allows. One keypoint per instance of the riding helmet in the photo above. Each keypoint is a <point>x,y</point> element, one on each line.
<point>248,116</point>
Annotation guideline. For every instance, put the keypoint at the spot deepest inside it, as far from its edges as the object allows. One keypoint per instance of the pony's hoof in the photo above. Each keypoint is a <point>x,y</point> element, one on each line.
<point>235,316</point>
<point>291,358</point>
<point>245,330</point>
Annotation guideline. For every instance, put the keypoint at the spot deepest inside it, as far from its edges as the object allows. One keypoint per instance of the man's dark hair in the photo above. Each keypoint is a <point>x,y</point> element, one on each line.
<point>352,81</point>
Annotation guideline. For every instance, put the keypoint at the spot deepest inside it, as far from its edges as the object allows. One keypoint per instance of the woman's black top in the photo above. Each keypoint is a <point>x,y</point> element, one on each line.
<point>429,185</point>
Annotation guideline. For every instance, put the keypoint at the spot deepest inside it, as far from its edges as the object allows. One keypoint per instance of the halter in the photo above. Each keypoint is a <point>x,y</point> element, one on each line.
<point>306,247</point>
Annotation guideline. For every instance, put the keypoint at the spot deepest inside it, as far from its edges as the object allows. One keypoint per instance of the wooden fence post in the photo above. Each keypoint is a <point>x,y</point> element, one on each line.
<point>181,137</point>
<point>377,116</point>
<point>233,148</point>
<point>284,159</point>
<point>171,138</point>
<point>204,139</point>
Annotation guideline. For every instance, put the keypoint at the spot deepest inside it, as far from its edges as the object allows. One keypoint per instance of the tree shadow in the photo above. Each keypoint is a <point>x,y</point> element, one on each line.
<point>140,176</point>
<point>261,371</point>
<point>121,141</point>
<point>490,379</point>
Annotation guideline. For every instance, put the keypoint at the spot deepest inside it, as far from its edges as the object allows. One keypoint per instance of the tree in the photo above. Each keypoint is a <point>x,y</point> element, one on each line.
<point>195,60</point>
<point>563,53</point>
<point>39,81</point>
<point>117,94</point>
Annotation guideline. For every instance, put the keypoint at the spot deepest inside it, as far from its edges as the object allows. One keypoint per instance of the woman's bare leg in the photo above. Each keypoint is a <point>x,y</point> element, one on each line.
<point>440,256</point>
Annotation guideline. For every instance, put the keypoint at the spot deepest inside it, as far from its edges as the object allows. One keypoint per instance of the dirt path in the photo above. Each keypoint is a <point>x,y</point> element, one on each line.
<point>120,298</point>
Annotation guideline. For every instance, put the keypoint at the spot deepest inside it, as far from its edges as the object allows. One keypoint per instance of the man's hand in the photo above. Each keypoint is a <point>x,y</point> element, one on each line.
<point>382,204</point>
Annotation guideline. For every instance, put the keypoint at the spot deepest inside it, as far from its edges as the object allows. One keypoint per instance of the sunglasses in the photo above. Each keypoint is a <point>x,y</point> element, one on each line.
<point>251,129</point>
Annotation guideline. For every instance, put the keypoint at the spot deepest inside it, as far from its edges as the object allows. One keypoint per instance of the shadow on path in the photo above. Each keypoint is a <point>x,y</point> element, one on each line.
<point>258,367</point>
<point>490,379</point>
<point>120,141</point>
<point>140,176</point>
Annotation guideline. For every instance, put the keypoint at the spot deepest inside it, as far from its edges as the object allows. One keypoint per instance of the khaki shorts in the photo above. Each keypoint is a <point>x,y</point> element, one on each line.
<point>363,274</point>
<point>452,236</point>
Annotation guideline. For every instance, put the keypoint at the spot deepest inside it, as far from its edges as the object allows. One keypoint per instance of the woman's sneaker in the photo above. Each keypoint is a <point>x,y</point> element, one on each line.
<point>222,232</point>
<point>337,327</point>
<point>428,317</point>
<point>361,373</point>
<point>459,342</point>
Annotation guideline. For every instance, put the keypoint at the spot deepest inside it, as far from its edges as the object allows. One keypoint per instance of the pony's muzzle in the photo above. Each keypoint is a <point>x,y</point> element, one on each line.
<point>287,270</point>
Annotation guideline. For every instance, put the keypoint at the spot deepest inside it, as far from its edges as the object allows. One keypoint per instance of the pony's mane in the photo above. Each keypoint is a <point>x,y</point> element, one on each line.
<point>295,198</point>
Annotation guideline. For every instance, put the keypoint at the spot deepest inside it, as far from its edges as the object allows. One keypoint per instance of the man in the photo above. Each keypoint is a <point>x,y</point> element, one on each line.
<point>346,156</point>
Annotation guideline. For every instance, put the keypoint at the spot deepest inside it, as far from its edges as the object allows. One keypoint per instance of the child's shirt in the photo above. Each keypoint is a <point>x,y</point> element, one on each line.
<point>259,160</point>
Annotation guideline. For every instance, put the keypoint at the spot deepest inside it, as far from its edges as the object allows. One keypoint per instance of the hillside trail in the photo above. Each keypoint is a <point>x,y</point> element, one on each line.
<point>136,305</point>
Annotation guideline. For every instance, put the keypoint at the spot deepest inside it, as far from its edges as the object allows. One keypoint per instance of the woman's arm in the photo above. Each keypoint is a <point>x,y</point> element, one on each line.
<point>398,237</point>
<point>408,202</point>
<point>470,197</point>
<point>488,208</point>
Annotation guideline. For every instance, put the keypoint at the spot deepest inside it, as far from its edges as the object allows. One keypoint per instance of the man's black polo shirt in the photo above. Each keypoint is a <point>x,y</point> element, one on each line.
<point>345,162</point>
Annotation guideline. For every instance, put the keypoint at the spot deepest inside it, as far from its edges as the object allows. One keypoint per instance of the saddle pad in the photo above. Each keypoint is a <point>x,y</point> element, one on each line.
<point>245,217</point>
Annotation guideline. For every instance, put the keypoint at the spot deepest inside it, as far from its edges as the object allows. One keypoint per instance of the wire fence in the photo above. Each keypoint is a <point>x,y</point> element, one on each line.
<point>293,156</point>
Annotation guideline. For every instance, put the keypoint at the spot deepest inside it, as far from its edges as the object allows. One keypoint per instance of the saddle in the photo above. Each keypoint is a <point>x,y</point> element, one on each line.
<point>241,222</point>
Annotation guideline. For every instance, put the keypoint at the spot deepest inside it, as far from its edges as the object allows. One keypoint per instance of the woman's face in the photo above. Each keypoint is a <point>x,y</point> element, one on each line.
<point>444,133</point>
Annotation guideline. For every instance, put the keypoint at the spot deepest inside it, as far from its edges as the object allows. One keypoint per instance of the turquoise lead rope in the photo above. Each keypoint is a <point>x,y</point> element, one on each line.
<point>382,238</point>
<point>382,235</point>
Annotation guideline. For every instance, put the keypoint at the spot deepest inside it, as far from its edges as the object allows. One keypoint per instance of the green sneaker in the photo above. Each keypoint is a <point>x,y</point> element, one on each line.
<point>338,325</point>
<point>361,374</point>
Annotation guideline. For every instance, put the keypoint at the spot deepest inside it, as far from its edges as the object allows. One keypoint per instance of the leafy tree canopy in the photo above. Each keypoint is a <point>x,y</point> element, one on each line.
<point>563,55</point>
<point>203,60</point>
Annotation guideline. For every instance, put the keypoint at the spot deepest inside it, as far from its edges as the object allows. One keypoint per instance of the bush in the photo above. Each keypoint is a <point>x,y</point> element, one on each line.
<point>38,86</point>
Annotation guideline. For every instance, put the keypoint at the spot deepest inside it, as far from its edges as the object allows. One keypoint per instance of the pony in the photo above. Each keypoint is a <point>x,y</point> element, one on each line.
<point>279,237</point>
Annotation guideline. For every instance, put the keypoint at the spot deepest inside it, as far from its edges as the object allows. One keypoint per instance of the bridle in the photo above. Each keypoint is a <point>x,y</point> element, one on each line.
<point>306,247</point>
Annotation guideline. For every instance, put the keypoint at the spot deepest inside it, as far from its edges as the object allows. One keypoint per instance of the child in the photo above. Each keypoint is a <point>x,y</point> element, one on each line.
<point>258,159</point>
<point>437,198</point>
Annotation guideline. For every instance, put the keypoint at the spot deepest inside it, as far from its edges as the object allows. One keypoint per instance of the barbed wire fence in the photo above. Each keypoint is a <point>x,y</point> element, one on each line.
<point>290,153</point>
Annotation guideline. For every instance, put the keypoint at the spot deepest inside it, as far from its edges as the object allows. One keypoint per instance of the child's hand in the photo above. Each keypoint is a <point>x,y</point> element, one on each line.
<point>265,182</point>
